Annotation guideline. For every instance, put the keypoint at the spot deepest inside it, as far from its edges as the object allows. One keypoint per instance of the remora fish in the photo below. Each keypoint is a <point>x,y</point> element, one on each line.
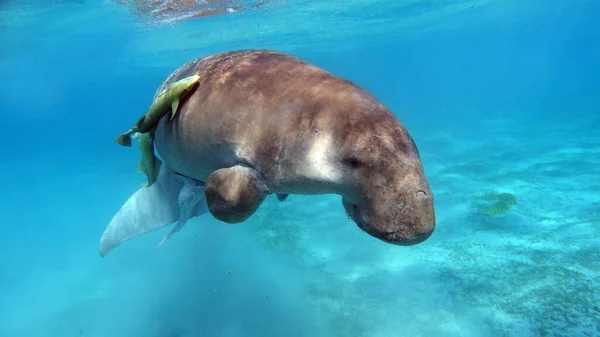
<point>168,98</point>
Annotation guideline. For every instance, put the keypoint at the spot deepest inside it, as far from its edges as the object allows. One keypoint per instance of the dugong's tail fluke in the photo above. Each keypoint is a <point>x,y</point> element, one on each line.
<point>171,198</point>
<point>148,209</point>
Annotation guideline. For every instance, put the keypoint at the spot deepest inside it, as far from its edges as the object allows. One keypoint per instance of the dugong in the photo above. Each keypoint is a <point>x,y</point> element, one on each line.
<point>264,122</point>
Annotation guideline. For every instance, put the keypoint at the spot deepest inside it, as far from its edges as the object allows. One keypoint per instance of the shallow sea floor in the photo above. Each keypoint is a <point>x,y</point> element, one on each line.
<point>301,268</point>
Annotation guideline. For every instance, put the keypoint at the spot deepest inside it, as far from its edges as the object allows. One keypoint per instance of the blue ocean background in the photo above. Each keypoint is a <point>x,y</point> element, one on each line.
<point>500,96</point>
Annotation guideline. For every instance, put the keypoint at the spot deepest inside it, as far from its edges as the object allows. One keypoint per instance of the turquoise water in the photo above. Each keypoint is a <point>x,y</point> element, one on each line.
<point>500,97</point>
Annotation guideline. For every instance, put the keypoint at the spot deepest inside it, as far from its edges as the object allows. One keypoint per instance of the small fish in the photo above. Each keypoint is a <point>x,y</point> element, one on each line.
<point>168,98</point>
<point>150,164</point>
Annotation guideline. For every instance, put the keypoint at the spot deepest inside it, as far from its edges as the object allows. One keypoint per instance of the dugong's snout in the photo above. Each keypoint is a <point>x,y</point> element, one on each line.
<point>401,213</point>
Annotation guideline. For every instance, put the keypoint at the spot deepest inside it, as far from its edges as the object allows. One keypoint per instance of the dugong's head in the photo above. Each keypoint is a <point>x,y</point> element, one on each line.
<point>384,189</point>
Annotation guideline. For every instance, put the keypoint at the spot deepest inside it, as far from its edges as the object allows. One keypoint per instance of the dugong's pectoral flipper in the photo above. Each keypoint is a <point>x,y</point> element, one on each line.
<point>191,203</point>
<point>233,194</point>
<point>148,209</point>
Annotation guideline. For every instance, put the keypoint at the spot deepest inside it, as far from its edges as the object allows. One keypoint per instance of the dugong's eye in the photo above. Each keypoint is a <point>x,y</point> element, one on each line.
<point>352,162</point>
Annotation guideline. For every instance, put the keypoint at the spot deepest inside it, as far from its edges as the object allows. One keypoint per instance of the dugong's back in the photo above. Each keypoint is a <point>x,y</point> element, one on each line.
<point>258,108</point>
